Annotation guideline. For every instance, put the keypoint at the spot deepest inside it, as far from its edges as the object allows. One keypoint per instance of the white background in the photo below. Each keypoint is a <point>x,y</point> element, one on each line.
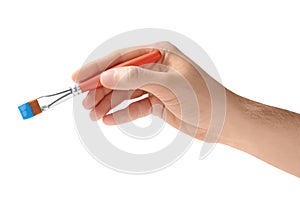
<point>254,45</point>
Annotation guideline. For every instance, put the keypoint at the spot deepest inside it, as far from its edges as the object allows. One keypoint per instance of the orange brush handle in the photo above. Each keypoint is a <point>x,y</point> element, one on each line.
<point>94,82</point>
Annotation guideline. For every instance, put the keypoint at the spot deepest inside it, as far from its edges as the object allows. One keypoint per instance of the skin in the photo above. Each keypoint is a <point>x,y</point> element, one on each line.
<point>180,92</point>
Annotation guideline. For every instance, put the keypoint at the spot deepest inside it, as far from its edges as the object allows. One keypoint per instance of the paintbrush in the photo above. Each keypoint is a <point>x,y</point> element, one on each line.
<point>43,103</point>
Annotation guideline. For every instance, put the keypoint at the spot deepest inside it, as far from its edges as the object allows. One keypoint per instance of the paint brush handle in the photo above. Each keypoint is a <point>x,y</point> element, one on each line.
<point>94,82</point>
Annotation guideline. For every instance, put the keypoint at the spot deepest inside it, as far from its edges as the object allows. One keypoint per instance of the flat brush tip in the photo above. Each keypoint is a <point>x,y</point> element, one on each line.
<point>30,109</point>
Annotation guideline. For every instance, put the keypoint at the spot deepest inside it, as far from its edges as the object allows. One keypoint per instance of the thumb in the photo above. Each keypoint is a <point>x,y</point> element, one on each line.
<point>130,78</point>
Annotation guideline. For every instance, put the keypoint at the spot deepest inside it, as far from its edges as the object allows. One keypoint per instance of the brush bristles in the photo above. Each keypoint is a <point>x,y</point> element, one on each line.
<point>30,109</point>
<point>35,107</point>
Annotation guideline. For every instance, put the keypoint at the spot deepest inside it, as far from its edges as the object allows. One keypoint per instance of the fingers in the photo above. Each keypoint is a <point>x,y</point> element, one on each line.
<point>135,110</point>
<point>111,100</point>
<point>96,67</point>
<point>148,106</point>
<point>94,97</point>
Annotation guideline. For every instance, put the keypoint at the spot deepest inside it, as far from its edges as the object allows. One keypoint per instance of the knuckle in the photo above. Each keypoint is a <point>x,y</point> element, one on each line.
<point>133,73</point>
<point>166,45</point>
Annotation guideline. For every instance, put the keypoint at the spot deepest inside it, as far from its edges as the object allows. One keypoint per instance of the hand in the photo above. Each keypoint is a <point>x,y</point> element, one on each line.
<point>178,89</point>
<point>187,98</point>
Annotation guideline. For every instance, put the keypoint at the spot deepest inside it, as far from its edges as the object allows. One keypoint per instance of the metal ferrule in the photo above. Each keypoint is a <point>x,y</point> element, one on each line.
<point>49,101</point>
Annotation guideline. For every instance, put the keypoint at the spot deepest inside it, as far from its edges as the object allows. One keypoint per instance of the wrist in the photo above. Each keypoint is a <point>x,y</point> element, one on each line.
<point>235,119</point>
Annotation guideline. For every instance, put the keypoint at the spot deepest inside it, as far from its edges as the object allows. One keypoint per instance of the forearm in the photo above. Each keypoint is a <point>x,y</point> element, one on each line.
<point>268,133</point>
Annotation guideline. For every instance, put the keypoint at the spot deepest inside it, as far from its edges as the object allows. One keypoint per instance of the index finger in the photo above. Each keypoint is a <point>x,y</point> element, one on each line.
<point>98,66</point>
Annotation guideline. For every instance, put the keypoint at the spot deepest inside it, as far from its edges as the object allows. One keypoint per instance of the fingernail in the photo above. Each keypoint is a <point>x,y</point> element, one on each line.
<point>74,76</point>
<point>107,78</point>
